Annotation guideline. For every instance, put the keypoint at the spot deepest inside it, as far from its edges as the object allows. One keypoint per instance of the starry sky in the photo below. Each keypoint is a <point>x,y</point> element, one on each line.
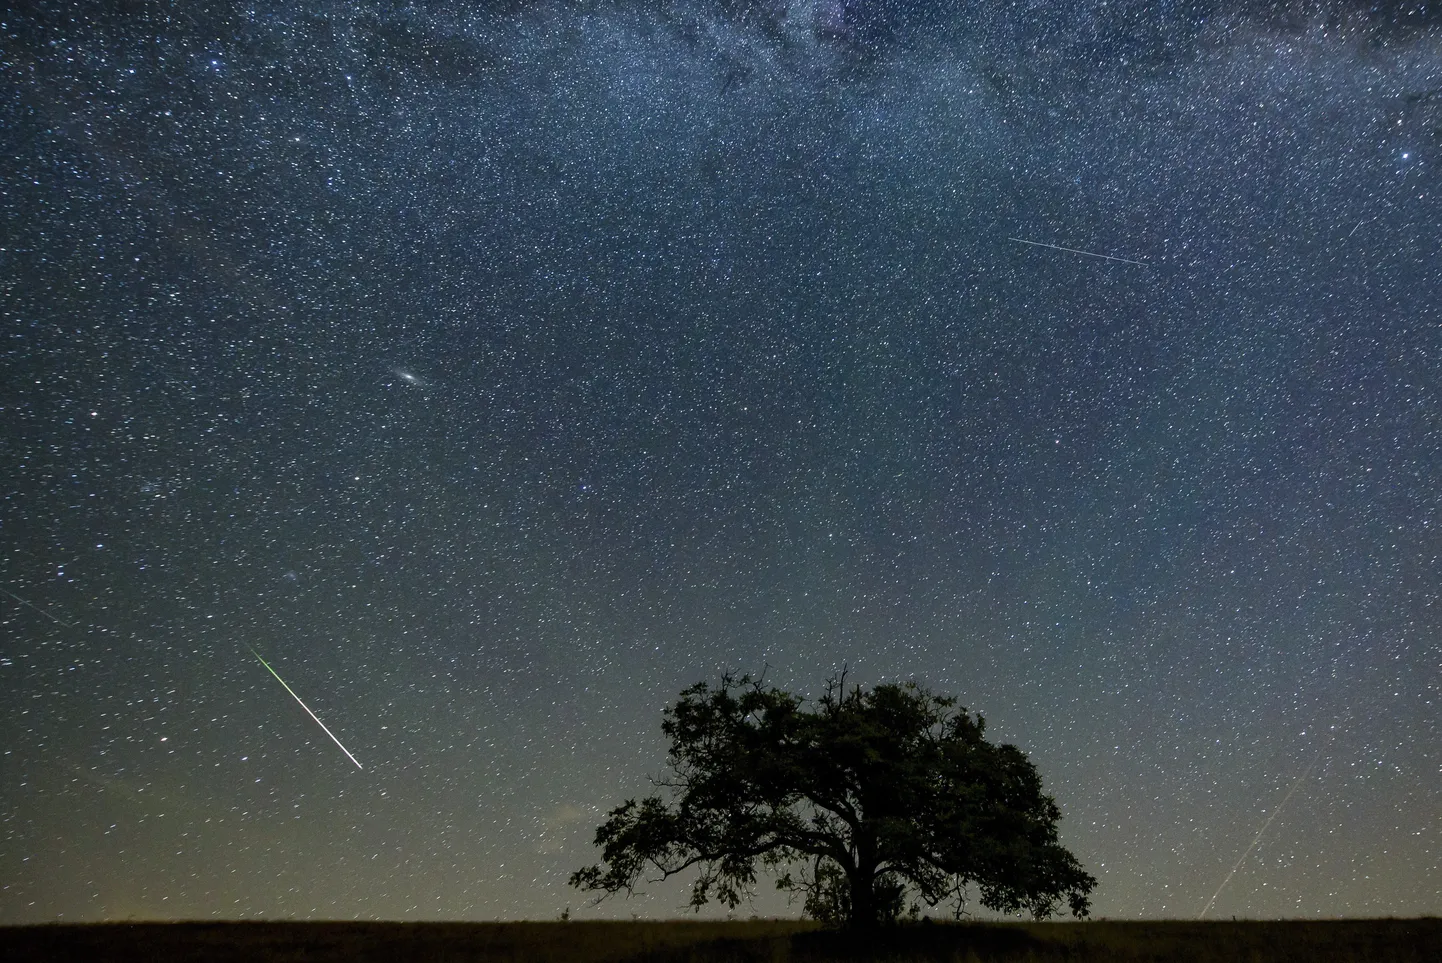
<point>495,370</point>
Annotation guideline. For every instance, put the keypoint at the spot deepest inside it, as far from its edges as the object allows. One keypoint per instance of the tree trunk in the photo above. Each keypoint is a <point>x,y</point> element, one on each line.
<point>862,883</point>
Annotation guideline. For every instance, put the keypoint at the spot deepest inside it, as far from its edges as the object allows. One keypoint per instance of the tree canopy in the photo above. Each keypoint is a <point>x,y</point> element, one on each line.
<point>869,798</point>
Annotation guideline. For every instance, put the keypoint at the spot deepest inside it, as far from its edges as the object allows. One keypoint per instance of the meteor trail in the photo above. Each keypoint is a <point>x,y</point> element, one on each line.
<point>1072,250</point>
<point>307,709</point>
<point>1258,838</point>
<point>37,608</point>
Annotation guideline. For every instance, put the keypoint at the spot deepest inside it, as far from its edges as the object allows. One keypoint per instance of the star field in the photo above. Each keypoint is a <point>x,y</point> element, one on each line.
<point>495,371</point>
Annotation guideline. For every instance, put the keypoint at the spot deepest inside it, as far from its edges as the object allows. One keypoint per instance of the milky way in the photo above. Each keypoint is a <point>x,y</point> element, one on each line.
<point>499,370</point>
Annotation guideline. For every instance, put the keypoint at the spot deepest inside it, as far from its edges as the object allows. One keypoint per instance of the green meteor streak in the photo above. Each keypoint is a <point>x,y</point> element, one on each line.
<point>307,709</point>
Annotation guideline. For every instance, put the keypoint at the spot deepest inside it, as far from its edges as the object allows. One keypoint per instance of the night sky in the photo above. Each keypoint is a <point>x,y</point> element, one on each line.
<point>497,370</point>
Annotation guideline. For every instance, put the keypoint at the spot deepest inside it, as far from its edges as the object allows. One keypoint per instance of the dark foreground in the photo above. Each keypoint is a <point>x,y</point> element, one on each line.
<point>1403,941</point>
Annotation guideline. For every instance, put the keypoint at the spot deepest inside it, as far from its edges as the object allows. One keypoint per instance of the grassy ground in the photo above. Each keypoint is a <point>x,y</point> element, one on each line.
<point>1342,941</point>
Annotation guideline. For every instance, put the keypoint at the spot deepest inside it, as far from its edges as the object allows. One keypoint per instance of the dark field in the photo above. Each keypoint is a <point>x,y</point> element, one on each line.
<point>1403,941</point>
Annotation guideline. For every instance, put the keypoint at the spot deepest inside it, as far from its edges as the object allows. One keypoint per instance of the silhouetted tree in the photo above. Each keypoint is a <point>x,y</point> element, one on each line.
<point>868,797</point>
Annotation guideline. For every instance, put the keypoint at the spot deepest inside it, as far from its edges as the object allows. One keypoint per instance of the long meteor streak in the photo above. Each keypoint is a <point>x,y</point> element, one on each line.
<point>307,709</point>
<point>37,608</point>
<point>1258,838</point>
<point>1072,250</point>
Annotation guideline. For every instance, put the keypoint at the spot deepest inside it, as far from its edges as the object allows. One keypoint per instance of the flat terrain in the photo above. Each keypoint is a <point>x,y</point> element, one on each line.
<point>770,941</point>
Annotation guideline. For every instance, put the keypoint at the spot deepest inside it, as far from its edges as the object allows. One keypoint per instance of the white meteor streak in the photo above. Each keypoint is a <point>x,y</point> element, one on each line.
<point>307,709</point>
<point>1072,250</point>
<point>1258,838</point>
<point>37,608</point>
